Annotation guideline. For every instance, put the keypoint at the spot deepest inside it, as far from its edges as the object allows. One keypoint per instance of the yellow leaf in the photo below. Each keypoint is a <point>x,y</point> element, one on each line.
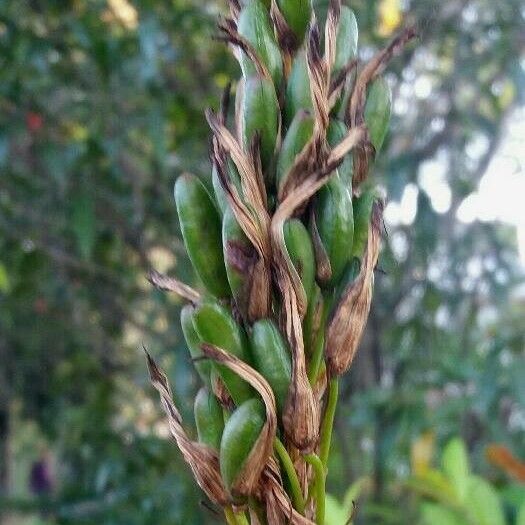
<point>389,17</point>
<point>422,452</point>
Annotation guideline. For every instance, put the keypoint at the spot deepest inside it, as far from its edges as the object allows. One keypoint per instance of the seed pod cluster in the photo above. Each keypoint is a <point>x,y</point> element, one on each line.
<point>284,245</point>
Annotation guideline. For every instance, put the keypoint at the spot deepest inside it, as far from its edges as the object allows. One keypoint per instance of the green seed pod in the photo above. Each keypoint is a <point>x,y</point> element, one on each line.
<point>350,274</point>
<point>297,14</point>
<point>362,212</point>
<point>260,113</point>
<point>335,225</point>
<point>337,131</point>
<point>254,25</point>
<point>238,439</point>
<point>208,418</point>
<point>313,318</point>
<point>378,109</point>
<point>193,342</point>
<point>299,133</point>
<point>346,42</point>
<point>215,325</point>
<point>220,194</point>
<point>321,11</point>
<point>272,358</point>
<point>301,252</point>
<point>298,94</point>
<point>239,256</point>
<point>200,224</point>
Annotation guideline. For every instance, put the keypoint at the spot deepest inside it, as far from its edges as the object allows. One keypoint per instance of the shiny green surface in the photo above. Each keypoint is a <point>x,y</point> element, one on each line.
<point>378,109</point>
<point>335,223</point>
<point>215,325</point>
<point>260,114</point>
<point>346,43</point>
<point>297,14</point>
<point>208,418</point>
<point>201,230</point>
<point>272,358</point>
<point>298,95</point>
<point>254,25</point>
<point>301,252</point>
<point>299,133</point>
<point>239,436</point>
<point>193,342</point>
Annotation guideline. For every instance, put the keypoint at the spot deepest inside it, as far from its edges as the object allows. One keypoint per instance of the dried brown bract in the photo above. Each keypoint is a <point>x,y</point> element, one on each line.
<point>203,460</point>
<point>346,326</point>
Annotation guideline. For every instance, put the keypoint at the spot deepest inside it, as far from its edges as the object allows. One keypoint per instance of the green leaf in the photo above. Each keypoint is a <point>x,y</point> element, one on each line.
<point>353,493</point>
<point>337,513</point>
<point>456,466</point>
<point>520,520</point>
<point>334,512</point>
<point>434,514</point>
<point>84,224</point>
<point>483,502</point>
<point>4,279</point>
<point>512,494</point>
<point>433,484</point>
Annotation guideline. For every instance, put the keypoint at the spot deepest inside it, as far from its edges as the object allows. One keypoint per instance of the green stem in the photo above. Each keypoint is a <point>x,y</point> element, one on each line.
<point>241,519</point>
<point>317,357</point>
<point>230,516</point>
<point>233,518</point>
<point>320,478</point>
<point>297,495</point>
<point>318,347</point>
<point>328,421</point>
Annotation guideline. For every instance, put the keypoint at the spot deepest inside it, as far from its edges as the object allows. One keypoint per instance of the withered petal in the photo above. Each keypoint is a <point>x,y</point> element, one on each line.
<point>202,459</point>
<point>286,38</point>
<point>331,27</point>
<point>170,284</point>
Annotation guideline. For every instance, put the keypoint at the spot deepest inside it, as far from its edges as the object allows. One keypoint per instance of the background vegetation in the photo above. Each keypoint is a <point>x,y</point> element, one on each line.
<point>101,107</point>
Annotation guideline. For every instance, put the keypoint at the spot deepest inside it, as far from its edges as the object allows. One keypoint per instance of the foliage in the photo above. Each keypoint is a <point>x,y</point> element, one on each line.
<point>454,495</point>
<point>337,512</point>
<point>91,110</point>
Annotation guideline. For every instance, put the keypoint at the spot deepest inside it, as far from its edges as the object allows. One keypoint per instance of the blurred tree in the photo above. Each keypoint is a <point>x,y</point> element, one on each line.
<point>95,98</point>
<point>101,105</point>
<point>431,359</point>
